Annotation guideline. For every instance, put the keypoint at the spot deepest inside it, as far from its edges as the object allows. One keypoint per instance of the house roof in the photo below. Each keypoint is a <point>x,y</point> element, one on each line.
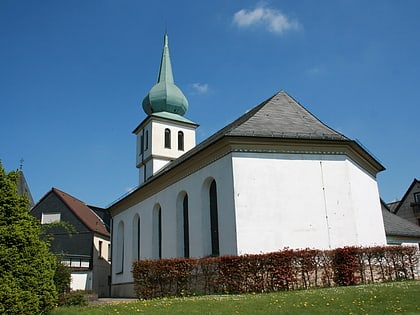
<point>92,221</point>
<point>397,208</point>
<point>23,189</point>
<point>397,226</point>
<point>279,117</point>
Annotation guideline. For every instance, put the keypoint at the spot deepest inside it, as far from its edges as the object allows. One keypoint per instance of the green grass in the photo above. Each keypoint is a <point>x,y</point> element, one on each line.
<point>385,298</point>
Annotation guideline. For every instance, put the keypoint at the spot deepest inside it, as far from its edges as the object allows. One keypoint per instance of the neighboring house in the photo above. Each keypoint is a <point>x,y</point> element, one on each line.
<point>398,230</point>
<point>409,206</point>
<point>276,177</point>
<point>84,245</point>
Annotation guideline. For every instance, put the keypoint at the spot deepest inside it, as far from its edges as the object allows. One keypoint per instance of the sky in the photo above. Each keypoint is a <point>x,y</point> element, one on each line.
<point>73,75</point>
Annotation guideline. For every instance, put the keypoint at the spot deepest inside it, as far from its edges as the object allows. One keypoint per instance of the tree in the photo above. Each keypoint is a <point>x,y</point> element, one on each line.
<point>26,266</point>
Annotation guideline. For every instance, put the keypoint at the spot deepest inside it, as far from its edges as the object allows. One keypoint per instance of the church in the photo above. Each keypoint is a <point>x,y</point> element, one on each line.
<point>275,177</point>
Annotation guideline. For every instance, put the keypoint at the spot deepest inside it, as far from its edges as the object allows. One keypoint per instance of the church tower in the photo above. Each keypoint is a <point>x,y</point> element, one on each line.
<point>165,134</point>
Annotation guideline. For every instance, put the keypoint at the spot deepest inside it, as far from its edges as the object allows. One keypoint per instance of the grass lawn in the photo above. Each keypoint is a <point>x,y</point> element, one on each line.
<point>385,298</point>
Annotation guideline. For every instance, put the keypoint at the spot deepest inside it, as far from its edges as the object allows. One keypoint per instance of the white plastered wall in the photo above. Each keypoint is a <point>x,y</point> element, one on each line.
<point>304,201</point>
<point>199,216</point>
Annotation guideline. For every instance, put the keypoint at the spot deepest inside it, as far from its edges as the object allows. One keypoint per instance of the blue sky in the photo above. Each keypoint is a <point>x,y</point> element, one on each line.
<point>73,75</point>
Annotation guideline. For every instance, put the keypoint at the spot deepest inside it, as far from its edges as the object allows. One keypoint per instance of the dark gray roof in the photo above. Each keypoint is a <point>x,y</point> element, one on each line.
<point>397,226</point>
<point>281,116</point>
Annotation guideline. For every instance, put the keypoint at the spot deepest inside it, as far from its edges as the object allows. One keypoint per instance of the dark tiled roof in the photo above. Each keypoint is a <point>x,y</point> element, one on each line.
<point>282,117</point>
<point>83,212</point>
<point>397,208</point>
<point>23,189</point>
<point>279,117</point>
<point>396,226</point>
<point>393,205</point>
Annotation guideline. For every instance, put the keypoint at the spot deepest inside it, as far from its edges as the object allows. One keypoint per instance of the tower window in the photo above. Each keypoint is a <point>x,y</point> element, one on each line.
<point>146,140</point>
<point>167,138</point>
<point>180,141</point>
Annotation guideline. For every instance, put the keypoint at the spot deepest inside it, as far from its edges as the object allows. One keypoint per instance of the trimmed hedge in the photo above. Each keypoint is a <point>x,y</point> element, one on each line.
<point>284,270</point>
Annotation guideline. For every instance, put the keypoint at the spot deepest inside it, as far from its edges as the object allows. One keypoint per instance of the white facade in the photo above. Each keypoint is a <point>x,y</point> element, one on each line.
<point>265,202</point>
<point>304,201</point>
<point>160,142</point>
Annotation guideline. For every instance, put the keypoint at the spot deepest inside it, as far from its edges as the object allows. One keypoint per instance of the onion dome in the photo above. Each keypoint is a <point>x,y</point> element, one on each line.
<point>165,96</point>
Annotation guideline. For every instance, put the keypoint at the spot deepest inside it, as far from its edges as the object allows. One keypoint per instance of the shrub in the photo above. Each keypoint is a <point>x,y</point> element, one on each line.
<point>283,270</point>
<point>74,298</point>
<point>26,265</point>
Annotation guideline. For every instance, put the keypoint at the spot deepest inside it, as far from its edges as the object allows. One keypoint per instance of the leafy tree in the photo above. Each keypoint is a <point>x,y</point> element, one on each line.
<point>26,266</point>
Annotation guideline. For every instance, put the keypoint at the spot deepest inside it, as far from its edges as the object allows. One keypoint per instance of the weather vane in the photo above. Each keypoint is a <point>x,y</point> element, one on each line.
<point>21,163</point>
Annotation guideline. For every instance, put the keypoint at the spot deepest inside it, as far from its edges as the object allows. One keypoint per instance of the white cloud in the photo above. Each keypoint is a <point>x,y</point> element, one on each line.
<point>274,20</point>
<point>200,88</point>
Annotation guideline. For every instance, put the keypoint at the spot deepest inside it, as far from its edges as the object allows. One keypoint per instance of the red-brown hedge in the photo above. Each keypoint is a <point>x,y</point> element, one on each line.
<point>284,270</point>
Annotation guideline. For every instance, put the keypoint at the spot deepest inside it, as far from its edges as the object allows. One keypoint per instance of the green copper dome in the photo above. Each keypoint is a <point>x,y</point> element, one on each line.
<point>165,96</point>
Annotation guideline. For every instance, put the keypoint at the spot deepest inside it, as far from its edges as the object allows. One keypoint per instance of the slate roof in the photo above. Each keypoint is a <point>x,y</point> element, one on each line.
<point>397,208</point>
<point>23,189</point>
<point>92,221</point>
<point>281,116</point>
<point>397,226</point>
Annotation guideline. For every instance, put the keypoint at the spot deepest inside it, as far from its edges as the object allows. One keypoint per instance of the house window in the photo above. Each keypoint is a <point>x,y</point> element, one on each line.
<point>186,227</point>
<point>119,266</point>
<point>157,232</point>
<point>180,141</point>
<point>214,224</point>
<point>417,197</point>
<point>100,249</point>
<point>167,138</point>
<point>47,218</point>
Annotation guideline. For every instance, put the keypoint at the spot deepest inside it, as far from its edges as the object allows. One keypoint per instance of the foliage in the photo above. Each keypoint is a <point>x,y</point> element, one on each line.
<point>62,277</point>
<point>377,299</point>
<point>278,271</point>
<point>344,264</point>
<point>26,265</point>
<point>74,298</point>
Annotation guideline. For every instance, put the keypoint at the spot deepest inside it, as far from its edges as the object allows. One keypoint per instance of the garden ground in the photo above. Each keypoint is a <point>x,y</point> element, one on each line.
<point>384,298</point>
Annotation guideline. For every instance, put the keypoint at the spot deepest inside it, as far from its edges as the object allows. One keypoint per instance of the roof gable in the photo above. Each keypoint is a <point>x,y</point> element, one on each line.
<point>397,226</point>
<point>407,193</point>
<point>92,221</point>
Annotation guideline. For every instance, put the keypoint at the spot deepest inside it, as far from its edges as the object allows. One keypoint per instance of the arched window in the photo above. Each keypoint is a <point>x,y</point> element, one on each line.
<point>119,263</point>
<point>185,226</point>
<point>136,237</point>
<point>167,138</point>
<point>180,141</point>
<point>214,221</point>
<point>157,232</point>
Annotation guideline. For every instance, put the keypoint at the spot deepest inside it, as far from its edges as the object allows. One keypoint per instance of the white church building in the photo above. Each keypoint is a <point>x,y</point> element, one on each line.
<point>276,177</point>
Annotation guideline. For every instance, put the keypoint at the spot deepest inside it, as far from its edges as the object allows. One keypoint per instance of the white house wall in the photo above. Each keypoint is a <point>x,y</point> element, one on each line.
<point>305,200</point>
<point>196,186</point>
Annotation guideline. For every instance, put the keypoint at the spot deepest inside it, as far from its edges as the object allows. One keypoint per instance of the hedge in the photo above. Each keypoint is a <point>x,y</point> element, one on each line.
<point>284,270</point>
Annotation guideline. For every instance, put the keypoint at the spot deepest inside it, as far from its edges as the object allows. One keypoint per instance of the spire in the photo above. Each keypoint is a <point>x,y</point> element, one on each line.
<point>165,72</point>
<point>165,96</point>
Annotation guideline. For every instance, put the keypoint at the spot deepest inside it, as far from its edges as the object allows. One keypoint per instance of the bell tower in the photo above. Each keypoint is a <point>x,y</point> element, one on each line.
<point>165,134</point>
